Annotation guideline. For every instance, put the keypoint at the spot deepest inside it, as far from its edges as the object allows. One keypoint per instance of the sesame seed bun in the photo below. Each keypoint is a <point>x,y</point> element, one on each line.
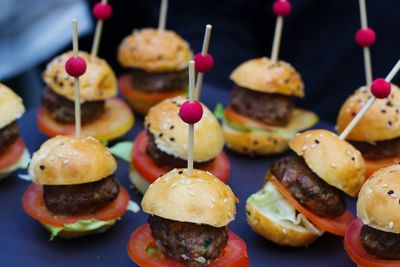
<point>281,232</point>
<point>196,198</point>
<point>171,133</point>
<point>263,75</point>
<point>378,202</point>
<point>67,160</point>
<point>334,160</point>
<point>154,51</point>
<point>98,82</point>
<point>379,123</point>
<point>11,106</point>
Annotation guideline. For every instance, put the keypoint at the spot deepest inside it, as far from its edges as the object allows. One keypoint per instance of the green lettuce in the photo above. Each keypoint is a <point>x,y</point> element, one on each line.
<point>78,226</point>
<point>123,150</point>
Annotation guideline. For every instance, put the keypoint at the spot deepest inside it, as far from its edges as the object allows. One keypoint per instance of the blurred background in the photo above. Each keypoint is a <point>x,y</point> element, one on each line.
<point>318,40</point>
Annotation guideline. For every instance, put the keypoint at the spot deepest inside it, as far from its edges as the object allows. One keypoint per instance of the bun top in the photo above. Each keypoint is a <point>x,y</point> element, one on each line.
<point>170,132</point>
<point>11,106</point>
<point>263,75</point>
<point>334,160</point>
<point>154,51</point>
<point>67,160</point>
<point>98,82</point>
<point>199,198</point>
<point>379,123</point>
<point>378,202</point>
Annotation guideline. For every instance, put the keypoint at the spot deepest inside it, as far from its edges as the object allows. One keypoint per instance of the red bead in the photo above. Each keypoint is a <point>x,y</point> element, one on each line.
<point>380,88</point>
<point>75,66</point>
<point>191,112</point>
<point>282,8</point>
<point>203,63</point>
<point>365,37</point>
<point>102,11</point>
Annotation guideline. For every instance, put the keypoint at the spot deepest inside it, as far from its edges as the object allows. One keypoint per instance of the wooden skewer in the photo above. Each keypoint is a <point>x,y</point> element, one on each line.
<point>366,50</point>
<point>97,35</point>
<point>369,103</point>
<point>277,38</point>
<point>191,126</point>
<point>204,51</point>
<point>77,101</point>
<point>163,15</point>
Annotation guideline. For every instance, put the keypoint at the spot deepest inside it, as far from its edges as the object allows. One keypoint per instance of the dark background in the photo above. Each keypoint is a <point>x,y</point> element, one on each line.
<point>318,40</point>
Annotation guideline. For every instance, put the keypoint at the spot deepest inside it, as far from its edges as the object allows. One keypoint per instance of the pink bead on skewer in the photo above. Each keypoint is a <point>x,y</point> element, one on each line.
<point>380,88</point>
<point>191,112</point>
<point>365,37</point>
<point>75,66</point>
<point>281,9</point>
<point>203,64</point>
<point>203,61</point>
<point>101,11</point>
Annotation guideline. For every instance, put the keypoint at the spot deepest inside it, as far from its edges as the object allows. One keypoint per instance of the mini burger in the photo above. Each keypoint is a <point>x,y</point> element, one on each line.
<point>374,238</point>
<point>158,63</point>
<point>261,118</point>
<point>163,145</point>
<point>13,153</point>
<point>377,134</point>
<point>103,116</point>
<point>187,226</point>
<point>74,190</point>
<point>303,197</point>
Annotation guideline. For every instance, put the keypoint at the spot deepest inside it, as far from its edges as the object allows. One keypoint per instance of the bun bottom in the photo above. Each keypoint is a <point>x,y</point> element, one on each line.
<point>75,234</point>
<point>141,101</point>
<point>254,143</point>
<point>116,120</point>
<point>279,233</point>
<point>138,181</point>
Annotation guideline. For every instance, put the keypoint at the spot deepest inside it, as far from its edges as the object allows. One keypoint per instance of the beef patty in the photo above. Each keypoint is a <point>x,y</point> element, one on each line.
<point>8,135</point>
<point>165,160</point>
<point>310,190</point>
<point>196,244</point>
<point>271,109</point>
<point>63,109</point>
<point>159,82</point>
<point>80,198</point>
<point>381,244</point>
<point>382,149</point>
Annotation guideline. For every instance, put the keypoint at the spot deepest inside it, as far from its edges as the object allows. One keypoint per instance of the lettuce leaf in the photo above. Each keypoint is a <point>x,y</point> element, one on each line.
<point>82,225</point>
<point>123,150</point>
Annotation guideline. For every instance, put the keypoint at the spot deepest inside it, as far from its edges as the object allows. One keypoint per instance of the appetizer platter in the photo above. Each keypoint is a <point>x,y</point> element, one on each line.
<point>238,179</point>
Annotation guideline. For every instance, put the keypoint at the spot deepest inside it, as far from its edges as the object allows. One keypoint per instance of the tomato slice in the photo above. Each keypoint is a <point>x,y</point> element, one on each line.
<point>336,225</point>
<point>142,101</point>
<point>357,252</point>
<point>149,170</point>
<point>233,116</point>
<point>34,206</point>
<point>12,154</point>
<point>374,165</point>
<point>141,241</point>
<point>115,122</point>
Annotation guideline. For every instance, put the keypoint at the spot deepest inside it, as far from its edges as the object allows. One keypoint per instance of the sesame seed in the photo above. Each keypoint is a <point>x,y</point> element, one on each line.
<point>313,145</point>
<point>191,193</point>
<point>333,165</point>
<point>66,161</point>
<point>353,158</point>
<point>390,192</point>
<point>60,155</point>
<point>384,185</point>
<point>304,148</point>
<point>51,158</point>
<point>316,141</point>
<point>180,172</point>
<point>393,195</point>
<point>308,135</point>
<point>41,167</point>
<point>391,224</point>
<point>225,200</point>
<point>173,185</point>
<point>321,135</point>
<point>284,231</point>
<point>213,200</point>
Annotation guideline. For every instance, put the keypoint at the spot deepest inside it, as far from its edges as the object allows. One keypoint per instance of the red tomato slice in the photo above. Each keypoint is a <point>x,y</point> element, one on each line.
<point>116,120</point>
<point>357,252</point>
<point>374,165</point>
<point>149,170</point>
<point>233,255</point>
<point>12,154</point>
<point>33,204</point>
<point>233,116</point>
<point>142,101</point>
<point>336,225</point>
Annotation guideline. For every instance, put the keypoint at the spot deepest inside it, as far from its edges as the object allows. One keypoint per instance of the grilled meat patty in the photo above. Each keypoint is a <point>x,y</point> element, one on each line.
<point>63,109</point>
<point>310,190</point>
<point>80,198</point>
<point>271,109</point>
<point>381,244</point>
<point>159,82</point>
<point>196,245</point>
<point>378,150</point>
<point>8,135</point>
<point>165,160</point>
